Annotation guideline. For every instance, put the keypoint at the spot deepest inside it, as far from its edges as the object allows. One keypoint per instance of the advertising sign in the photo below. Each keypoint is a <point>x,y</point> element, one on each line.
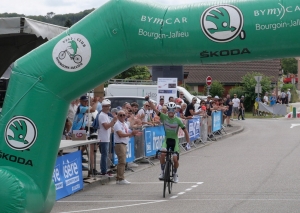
<point>194,128</point>
<point>129,154</point>
<point>154,137</point>
<point>216,120</point>
<point>67,174</point>
<point>166,87</point>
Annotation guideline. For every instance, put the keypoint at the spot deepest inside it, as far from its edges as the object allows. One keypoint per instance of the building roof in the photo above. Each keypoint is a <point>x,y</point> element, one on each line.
<point>231,73</point>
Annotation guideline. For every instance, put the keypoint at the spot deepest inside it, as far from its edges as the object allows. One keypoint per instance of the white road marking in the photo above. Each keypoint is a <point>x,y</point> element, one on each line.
<point>161,182</point>
<point>115,207</point>
<point>239,199</point>
<point>195,186</point>
<point>199,183</point>
<point>173,197</point>
<point>294,125</point>
<point>106,201</point>
<point>189,189</point>
<point>181,193</point>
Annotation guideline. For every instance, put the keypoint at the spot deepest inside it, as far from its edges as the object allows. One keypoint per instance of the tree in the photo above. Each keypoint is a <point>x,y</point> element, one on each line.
<point>136,72</point>
<point>216,88</point>
<point>289,65</point>
<point>68,23</point>
<point>249,84</point>
<point>50,15</point>
<point>238,90</point>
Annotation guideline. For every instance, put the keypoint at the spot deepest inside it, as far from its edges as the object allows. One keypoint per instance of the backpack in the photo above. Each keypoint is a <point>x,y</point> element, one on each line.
<point>95,123</point>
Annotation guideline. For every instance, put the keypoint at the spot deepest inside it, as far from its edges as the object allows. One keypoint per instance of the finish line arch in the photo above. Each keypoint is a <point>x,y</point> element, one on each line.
<point>109,40</point>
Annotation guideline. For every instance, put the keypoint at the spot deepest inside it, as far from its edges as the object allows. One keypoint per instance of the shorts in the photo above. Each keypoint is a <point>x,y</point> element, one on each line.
<point>172,144</point>
<point>209,121</point>
<point>228,113</point>
<point>235,110</point>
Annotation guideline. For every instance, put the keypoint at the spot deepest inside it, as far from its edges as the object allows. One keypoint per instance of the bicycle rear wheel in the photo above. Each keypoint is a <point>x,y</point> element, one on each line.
<point>170,183</point>
<point>166,177</point>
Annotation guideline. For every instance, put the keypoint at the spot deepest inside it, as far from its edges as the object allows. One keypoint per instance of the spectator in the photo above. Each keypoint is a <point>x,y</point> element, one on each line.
<point>283,97</point>
<point>235,105</point>
<point>266,99</point>
<point>79,122</point>
<point>241,109</point>
<point>104,131</point>
<point>72,111</point>
<point>278,100</point>
<point>171,99</point>
<point>99,101</point>
<point>289,95</point>
<point>122,133</point>
<point>164,110</point>
<point>145,114</point>
<point>190,110</point>
<point>134,107</point>
<point>178,112</point>
<point>229,111</point>
<point>273,99</point>
<point>126,106</point>
<point>183,108</point>
<point>161,104</point>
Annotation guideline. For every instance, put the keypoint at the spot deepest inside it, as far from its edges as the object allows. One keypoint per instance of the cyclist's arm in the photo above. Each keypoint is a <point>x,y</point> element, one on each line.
<point>153,107</point>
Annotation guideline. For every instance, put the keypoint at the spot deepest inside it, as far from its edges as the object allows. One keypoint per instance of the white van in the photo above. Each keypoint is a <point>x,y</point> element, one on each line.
<point>142,90</point>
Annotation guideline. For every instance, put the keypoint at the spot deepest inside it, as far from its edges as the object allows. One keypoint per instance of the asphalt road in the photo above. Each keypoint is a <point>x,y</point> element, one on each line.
<point>255,171</point>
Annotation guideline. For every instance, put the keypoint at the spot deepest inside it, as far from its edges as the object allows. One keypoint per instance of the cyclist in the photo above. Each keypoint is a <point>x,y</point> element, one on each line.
<point>171,125</point>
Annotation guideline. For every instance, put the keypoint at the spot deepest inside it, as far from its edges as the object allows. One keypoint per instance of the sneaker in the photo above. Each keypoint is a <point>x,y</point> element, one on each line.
<point>95,172</point>
<point>84,160</point>
<point>229,125</point>
<point>109,174</point>
<point>84,168</point>
<point>161,176</point>
<point>175,178</point>
<point>123,182</point>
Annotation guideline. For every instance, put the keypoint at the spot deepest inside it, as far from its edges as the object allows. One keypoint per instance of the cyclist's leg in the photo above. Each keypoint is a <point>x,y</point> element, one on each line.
<point>176,162</point>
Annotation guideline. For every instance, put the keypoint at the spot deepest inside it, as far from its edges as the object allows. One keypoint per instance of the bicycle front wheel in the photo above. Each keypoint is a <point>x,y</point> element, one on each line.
<point>77,59</point>
<point>62,55</point>
<point>170,182</point>
<point>166,177</point>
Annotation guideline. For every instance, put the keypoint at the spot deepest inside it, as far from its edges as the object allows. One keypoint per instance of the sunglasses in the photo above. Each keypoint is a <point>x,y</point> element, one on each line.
<point>147,106</point>
<point>122,115</point>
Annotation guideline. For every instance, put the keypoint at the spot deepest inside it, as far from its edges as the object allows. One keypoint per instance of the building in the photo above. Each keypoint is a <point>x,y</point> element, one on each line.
<point>230,74</point>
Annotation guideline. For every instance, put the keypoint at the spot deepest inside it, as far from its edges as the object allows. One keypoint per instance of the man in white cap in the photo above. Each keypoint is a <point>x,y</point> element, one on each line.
<point>104,131</point>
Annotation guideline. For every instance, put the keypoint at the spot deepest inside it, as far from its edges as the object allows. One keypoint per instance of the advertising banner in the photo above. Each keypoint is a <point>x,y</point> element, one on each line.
<point>153,137</point>
<point>67,174</point>
<point>129,155</point>
<point>216,120</point>
<point>194,128</point>
<point>166,87</point>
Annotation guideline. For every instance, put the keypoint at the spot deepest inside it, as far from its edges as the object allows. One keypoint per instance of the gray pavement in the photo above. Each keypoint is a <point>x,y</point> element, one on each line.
<point>254,171</point>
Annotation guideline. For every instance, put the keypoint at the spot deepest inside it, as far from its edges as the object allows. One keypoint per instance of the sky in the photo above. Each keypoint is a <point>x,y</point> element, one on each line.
<point>42,7</point>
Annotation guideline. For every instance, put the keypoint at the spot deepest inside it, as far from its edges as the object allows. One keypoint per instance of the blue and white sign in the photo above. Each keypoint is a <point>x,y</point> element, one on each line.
<point>130,152</point>
<point>194,128</point>
<point>216,121</point>
<point>67,174</point>
<point>154,138</point>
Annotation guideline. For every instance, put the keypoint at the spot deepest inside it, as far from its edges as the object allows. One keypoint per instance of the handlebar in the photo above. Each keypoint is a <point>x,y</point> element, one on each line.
<point>167,152</point>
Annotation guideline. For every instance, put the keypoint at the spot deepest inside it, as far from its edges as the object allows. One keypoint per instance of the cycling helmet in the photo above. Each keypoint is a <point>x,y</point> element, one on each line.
<point>106,102</point>
<point>171,107</point>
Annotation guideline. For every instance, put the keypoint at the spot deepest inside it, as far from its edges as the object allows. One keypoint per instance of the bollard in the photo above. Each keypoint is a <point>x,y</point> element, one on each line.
<point>294,112</point>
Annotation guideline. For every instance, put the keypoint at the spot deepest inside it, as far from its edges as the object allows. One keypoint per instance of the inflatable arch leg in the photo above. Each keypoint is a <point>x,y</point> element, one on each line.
<point>114,37</point>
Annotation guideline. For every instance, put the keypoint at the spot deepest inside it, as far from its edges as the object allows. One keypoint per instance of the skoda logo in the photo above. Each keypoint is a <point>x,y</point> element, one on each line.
<point>222,23</point>
<point>20,133</point>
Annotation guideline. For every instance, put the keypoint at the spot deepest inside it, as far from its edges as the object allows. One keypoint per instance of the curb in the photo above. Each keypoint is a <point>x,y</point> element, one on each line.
<point>105,180</point>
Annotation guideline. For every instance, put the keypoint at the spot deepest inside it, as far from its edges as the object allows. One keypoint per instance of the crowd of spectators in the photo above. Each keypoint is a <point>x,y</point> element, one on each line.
<point>127,120</point>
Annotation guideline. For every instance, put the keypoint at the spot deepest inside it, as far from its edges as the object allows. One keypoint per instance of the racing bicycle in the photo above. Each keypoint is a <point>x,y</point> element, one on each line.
<point>168,172</point>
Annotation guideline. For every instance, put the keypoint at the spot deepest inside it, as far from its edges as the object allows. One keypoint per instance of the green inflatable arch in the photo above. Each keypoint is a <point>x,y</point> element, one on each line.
<point>116,36</point>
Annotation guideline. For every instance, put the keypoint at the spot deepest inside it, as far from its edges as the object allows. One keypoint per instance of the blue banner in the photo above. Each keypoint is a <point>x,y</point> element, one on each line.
<point>67,174</point>
<point>194,128</point>
<point>216,121</point>
<point>129,155</point>
<point>153,139</point>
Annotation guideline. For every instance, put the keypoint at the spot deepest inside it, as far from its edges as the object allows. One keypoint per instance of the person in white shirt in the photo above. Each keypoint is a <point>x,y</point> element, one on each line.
<point>104,131</point>
<point>161,104</point>
<point>235,106</point>
<point>145,114</point>
<point>122,134</point>
<point>289,95</point>
<point>266,99</point>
